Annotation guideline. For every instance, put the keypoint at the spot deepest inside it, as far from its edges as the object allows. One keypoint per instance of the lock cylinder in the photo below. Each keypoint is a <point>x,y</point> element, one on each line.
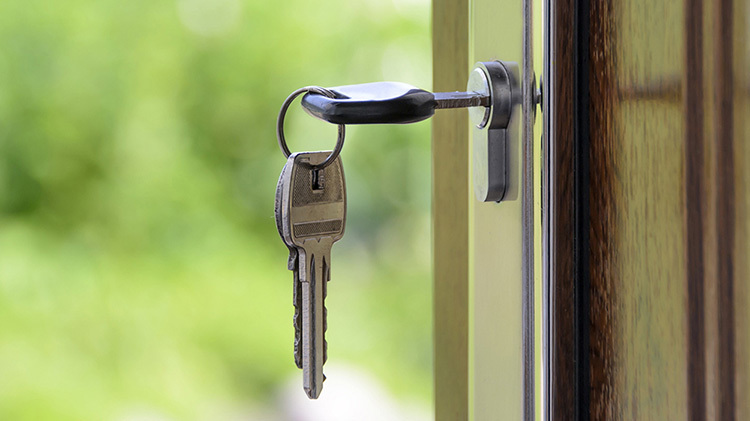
<point>490,133</point>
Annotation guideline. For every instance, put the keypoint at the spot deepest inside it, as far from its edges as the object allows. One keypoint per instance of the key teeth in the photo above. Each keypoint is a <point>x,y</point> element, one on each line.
<point>292,263</point>
<point>297,318</point>
<point>298,354</point>
<point>296,322</point>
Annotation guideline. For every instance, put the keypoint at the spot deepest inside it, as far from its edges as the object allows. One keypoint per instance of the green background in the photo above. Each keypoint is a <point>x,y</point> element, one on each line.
<point>140,268</point>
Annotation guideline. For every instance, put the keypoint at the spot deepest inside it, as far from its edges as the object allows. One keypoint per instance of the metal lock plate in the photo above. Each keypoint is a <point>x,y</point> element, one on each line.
<point>494,126</point>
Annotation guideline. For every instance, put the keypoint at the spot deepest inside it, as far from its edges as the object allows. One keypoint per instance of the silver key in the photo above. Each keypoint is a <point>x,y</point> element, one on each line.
<point>293,265</point>
<point>313,212</point>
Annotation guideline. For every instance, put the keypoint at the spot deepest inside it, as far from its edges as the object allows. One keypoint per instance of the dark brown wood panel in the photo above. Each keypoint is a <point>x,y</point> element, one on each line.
<point>695,186</point>
<point>740,33</point>
<point>564,364</point>
<point>723,143</point>
<point>649,210</point>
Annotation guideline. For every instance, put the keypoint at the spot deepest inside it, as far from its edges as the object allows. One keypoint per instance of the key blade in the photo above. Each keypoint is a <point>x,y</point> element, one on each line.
<point>313,320</point>
<point>445,100</point>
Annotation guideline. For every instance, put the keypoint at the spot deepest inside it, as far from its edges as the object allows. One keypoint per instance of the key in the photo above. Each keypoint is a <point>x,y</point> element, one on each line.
<point>387,102</point>
<point>492,94</point>
<point>293,265</point>
<point>313,208</point>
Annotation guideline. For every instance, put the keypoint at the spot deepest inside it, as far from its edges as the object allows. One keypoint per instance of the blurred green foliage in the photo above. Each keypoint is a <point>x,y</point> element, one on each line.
<point>140,268</point>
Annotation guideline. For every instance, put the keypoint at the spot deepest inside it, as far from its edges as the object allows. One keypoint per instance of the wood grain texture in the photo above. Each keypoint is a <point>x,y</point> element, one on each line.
<point>569,273</point>
<point>564,370</point>
<point>696,210</point>
<point>666,335</point>
<point>723,142</point>
<point>741,252</point>
<point>450,212</point>
<point>647,191</point>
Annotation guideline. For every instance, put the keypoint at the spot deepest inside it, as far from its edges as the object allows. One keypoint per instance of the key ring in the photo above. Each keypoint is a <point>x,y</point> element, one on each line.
<point>280,124</point>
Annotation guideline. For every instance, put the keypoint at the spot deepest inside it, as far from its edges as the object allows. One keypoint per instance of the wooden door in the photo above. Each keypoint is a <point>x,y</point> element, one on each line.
<point>648,209</point>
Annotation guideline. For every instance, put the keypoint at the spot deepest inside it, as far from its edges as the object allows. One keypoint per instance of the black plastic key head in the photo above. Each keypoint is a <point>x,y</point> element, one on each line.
<point>372,103</point>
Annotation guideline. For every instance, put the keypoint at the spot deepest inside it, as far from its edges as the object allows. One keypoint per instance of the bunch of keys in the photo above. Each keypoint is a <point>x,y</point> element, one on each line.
<point>311,197</point>
<point>310,210</point>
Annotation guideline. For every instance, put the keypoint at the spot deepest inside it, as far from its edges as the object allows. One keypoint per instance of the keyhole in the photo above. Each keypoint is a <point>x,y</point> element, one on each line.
<point>317,180</point>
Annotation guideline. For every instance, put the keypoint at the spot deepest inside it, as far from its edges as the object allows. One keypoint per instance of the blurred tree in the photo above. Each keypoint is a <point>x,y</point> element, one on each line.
<point>140,270</point>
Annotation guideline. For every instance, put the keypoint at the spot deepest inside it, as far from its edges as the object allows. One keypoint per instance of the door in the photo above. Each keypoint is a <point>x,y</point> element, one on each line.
<point>639,263</point>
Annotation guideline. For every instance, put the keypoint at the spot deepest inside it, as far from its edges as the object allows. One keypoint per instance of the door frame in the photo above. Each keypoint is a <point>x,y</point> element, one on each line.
<point>484,253</point>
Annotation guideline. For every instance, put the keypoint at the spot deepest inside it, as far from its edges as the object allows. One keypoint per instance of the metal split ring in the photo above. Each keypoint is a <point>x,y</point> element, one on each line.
<point>280,124</point>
